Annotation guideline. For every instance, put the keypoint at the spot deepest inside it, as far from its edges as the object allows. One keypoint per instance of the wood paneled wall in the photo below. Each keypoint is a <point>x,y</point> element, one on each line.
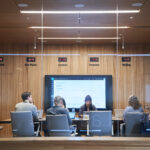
<point>16,78</point>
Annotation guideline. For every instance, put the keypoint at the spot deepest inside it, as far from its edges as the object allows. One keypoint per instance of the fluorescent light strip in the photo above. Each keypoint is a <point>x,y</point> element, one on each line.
<point>39,54</point>
<point>80,38</point>
<point>120,55</point>
<point>133,55</point>
<point>38,27</point>
<point>82,12</point>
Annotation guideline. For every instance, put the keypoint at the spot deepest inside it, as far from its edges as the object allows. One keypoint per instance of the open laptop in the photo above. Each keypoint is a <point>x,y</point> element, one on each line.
<point>86,112</point>
<point>40,113</point>
<point>72,115</point>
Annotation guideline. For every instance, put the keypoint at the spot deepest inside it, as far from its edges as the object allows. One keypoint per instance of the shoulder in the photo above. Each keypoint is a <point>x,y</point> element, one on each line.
<point>141,109</point>
<point>82,107</point>
<point>19,104</point>
<point>32,105</point>
<point>93,106</point>
<point>64,110</point>
<point>128,108</point>
<point>50,109</point>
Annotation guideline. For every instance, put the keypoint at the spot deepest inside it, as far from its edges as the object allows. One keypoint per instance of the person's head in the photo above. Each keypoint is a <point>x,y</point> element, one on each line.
<point>27,96</point>
<point>58,101</point>
<point>134,102</point>
<point>88,101</point>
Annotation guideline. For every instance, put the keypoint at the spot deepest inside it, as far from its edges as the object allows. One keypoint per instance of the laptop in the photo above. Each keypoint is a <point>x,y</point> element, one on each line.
<point>72,115</point>
<point>40,113</point>
<point>86,112</point>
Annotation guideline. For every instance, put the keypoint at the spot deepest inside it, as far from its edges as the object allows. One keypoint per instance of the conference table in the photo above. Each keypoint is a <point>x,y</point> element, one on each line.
<point>81,123</point>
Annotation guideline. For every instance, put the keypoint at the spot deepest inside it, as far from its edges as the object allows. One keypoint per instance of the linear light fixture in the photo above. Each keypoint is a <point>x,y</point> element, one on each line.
<point>79,38</point>
<point>45,27</point>
<point>81,12</point>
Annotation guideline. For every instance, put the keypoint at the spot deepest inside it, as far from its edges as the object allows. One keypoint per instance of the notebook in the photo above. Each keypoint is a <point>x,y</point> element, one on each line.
<point>72,115</point>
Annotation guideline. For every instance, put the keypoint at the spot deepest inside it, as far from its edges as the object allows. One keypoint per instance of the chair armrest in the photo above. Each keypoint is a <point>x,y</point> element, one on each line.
<point>122,129</point>
<point>38,128</point>
<point>73,129</point>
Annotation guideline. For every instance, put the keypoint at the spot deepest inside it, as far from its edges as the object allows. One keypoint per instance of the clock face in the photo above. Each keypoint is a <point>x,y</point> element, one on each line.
<point>30,59</point>
<point>1,59</point>
<point>94,59</point>
<point>62,59</point>
<point>126,59</point>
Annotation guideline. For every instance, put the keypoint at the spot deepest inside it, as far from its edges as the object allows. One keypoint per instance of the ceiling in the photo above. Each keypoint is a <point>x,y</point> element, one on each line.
<point>14,26</point>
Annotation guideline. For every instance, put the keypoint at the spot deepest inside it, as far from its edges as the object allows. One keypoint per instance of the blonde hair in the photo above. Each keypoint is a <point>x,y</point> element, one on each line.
<point>134,102</point>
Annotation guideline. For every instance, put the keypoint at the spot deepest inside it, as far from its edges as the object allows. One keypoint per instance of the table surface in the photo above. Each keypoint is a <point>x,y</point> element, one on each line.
<point>44,119</point>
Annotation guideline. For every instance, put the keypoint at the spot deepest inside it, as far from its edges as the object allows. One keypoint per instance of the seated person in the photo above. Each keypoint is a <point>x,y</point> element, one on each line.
<point>88,106</point>
<point>59,109</point>
<point>134,106</point>
<point>27,105</point>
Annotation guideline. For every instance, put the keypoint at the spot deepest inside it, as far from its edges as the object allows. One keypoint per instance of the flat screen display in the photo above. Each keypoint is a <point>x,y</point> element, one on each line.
<point>74,88</point>
<point>75,91</point>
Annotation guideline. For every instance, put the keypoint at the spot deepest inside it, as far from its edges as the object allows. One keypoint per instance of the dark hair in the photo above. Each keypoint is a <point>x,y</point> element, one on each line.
<point>134,102</point>
<point>25,95</point>
<point>64,103</point>
<point>88,98</point>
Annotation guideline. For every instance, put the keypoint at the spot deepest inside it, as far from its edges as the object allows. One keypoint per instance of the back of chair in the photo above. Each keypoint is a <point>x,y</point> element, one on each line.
<point>133,123</point>
<point>22,123</point>
<point>58,125</point>
<point>100,123</point>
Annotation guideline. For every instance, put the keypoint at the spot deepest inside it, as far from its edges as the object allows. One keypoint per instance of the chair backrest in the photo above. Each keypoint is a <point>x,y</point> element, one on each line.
<point>22,123</point>
<point>100,123</point>
<point>58,125</point>
<point>133,123</point>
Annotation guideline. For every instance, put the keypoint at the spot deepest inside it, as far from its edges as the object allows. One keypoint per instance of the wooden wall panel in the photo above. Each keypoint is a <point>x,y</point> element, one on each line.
<point>15,77</point>
<point>147,88</point>
<point>147,64</point>
<point>130,81</point>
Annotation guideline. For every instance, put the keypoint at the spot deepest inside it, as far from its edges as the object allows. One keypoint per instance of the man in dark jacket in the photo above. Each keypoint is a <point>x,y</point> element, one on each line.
<point>59,109</point>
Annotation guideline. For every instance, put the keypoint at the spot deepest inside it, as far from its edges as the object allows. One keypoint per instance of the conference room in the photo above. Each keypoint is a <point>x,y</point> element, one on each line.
<point>87,58</point>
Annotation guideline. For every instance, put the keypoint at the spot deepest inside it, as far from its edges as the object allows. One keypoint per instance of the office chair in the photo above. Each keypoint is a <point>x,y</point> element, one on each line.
<point>57,125</point>
<point>22,124</point>
<point>100,123</point>
<point>133,125</point>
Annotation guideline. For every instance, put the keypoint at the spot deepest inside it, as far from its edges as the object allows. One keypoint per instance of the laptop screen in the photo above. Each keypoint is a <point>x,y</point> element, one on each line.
<point>72,115</point>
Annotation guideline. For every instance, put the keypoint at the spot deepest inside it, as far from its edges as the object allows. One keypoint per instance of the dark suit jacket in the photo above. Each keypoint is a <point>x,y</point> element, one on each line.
<point>56,110</point>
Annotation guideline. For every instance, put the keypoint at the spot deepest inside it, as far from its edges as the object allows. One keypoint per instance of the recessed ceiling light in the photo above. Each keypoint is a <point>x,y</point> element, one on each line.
<point>22,5</point>
<point>137,4</point>
<point>28,18</point>
<point>82,12</point>
<point>46,27</point>
<point>79,5</point>
<point>131,17</point>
